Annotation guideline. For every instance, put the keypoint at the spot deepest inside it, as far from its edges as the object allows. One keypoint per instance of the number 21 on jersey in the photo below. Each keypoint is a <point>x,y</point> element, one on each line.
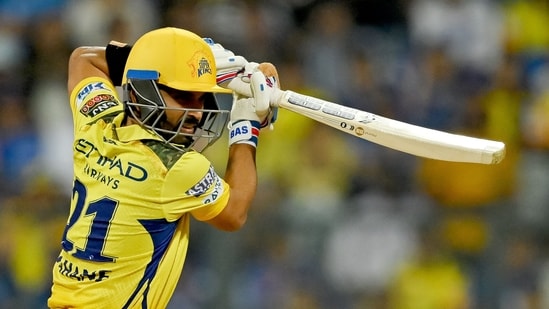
<point>101,212</point>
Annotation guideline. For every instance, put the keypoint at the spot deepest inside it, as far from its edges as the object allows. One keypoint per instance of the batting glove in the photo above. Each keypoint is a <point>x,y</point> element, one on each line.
<point>235,72</point>
<point>242,85</point>
<point>228,65</point>
<point>248,114</point>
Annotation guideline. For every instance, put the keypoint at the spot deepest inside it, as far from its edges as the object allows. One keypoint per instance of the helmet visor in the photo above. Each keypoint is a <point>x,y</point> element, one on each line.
<point>147,106</point>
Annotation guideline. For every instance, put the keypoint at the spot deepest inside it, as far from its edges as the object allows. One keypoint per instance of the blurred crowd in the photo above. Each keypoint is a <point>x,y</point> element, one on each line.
<point>338,222</point>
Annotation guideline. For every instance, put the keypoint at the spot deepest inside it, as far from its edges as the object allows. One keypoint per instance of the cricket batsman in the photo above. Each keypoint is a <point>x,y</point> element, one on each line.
<point>139,174</point>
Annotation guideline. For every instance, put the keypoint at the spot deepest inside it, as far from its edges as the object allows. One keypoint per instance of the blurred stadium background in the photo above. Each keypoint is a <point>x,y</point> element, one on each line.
<point>338,222</point>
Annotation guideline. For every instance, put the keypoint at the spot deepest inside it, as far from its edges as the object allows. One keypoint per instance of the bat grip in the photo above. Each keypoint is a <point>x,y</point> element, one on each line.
<point>277,96</point>
<point>240,87</point>
<point>243,88</point>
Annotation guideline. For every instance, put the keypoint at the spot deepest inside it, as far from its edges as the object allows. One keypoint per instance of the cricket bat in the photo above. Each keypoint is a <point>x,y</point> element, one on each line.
<point>405,137</point>
<point>398,135</point>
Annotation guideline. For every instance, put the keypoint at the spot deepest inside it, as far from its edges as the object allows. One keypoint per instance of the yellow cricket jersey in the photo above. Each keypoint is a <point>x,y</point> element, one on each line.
<point>126,237</point>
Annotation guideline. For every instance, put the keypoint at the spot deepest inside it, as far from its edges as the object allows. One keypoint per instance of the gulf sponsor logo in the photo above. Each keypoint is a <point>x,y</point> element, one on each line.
<point>98,104</point>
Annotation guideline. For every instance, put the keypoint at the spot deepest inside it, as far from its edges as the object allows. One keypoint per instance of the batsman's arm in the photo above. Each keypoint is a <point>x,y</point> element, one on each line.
<point>241,175</point>
<point>247,115</point>
<point>101,61</point>
<point>84,62</point>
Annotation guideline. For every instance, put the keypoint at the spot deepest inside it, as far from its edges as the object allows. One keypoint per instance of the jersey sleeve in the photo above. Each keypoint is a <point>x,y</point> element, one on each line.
<point>193,186</point>
<point>92,99</point>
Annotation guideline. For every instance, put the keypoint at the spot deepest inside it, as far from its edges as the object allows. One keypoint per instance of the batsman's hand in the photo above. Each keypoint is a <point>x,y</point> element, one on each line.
<point>248,114</point>
<point>248,84</point>
<point>235,73</point>
<point>227,64</point>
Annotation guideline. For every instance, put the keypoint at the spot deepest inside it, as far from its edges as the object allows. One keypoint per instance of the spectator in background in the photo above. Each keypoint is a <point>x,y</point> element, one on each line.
<point>31,224</point>
<point>47,99</point>
<point>18,141</point>
<point>261,28</point>
<point>527,40</point>
<point>527,30</point>
<point>25,11</point>
<point>327,48</point>
<point>433,279</point>
<point>428,91</point>
<point>470,33</point>
<point>19,146</point>
<point>477,199</point>
<point>521,284</point>
<point>373,235</point>
<point>117,20</point>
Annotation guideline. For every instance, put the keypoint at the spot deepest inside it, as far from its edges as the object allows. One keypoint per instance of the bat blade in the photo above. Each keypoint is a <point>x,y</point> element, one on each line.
<point>401,136</point>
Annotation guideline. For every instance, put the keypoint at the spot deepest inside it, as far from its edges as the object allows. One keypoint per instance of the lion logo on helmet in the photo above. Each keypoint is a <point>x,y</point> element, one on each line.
<point>199,65</point>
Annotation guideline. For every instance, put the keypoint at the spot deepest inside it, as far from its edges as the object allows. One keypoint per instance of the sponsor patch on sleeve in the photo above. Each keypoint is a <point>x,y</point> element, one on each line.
<point>216,193</point>
<point>98,104</point>
<point>87,89</point>
<point>203,184</point>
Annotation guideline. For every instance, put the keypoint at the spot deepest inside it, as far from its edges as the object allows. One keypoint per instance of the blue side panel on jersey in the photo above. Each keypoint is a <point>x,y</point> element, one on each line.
<point>161,232</point>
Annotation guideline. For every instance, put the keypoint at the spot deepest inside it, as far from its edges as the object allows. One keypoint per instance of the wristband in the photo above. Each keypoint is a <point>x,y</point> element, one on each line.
<point>244,132</point>
<point>116,55</point>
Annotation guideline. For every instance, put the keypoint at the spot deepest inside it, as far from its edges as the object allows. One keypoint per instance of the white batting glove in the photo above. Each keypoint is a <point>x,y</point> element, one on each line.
<point>228,65</point>
<point>242,86</point>
<point>247,114</point>
<point>235,72</point>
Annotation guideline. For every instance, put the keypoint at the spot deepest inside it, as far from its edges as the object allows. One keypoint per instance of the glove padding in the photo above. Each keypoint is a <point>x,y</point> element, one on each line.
<point>235,73</point>
<point>257,106</point>
<point>248,114</point>
<point>241,85</point>
<point>228,65</point>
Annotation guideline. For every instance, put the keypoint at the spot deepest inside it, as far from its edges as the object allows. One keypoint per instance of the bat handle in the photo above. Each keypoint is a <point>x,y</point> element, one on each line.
<point>240,87</point>
<point>243,88</point>
<point>277,97</point>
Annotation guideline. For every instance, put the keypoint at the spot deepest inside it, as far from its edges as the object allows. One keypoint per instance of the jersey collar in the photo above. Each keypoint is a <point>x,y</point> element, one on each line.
<point>134,132</point>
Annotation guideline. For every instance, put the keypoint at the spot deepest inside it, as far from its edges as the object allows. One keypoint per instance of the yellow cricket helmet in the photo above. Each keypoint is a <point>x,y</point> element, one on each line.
<point>183,59</point>
<point>180,60</point>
